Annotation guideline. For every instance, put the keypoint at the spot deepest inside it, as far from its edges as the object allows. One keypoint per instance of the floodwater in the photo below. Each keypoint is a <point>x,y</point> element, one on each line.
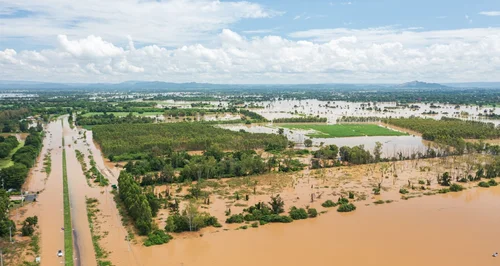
<point>453,229</point>
<point>336,109</point>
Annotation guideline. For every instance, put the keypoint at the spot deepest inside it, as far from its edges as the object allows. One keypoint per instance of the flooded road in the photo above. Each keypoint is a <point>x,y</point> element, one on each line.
<point>49,206</point>
<point>453,229</point>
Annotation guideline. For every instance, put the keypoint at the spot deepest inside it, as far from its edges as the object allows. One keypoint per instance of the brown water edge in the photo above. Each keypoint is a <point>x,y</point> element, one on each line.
<point>108,225</point>
<point>452,229</point>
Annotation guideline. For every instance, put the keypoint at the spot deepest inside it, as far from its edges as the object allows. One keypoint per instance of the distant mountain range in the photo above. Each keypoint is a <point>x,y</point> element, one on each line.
<point>420,84</point>
<point>152,85</point>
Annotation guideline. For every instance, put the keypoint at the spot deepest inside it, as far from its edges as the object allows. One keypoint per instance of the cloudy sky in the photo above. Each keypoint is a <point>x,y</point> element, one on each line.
<point>278,41</point>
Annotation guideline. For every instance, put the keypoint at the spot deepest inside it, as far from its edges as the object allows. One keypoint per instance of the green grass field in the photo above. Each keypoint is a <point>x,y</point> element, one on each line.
<point>344,130</point>
<point>123,114</point>
<point>6,162</point>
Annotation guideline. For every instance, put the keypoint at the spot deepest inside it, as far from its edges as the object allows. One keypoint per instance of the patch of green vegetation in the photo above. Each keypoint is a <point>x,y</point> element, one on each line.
<point>456,188</point>
<point>100,253</point>
<point>7,161</point>
<point>346,207</point>
<point>329,204</point>
<point>68,231</point>
<point>345,130</point>
<point>378,202</point>
<point>123,114</point>
<point>135,138</point>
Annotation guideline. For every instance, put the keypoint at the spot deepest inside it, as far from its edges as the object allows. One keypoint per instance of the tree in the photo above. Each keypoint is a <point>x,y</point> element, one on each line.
<point>308,143</point>
<point>377,152</point>
<point>277,204</point>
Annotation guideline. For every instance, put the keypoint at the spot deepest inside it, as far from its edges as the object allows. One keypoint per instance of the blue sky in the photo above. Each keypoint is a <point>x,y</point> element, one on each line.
<point>239,42</point>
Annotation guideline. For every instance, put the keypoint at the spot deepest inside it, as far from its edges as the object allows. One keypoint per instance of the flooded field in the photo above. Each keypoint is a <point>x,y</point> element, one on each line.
<point>394,232</point>
<point>334,110</point>
<point>434,230</point>
<point>392,145</point>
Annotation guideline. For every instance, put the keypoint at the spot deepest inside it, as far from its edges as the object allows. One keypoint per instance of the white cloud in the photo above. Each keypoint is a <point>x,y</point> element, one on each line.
<point>162,22</point>
<point>490,13</point>
<point>319,56</point>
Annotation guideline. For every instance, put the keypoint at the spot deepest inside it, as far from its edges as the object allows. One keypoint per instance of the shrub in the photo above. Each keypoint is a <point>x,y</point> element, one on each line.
<point>456,188</point>
<point>463,180</point>
<point>312,212</point>
<point>492,182</point>
<point>376,191</point>
<point>244,227</point>
<point>346,207</point>
<point>27,230</point>
<point>329,204</point>
<point>157,237</point>
<point>351,195</point>
<point>483,184</point>
<point>235,219</point>
<point>275,218</point>
<point>342,200</point>
<point>403,191</point>
<point>255,224</point>
<point>379,202</point>
<point>298,214</point>
<point>421,182</point>
<point>444,190</point>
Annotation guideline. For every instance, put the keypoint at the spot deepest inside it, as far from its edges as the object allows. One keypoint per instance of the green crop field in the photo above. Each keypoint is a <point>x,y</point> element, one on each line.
<point>123,114</point>
<point>345,130</point>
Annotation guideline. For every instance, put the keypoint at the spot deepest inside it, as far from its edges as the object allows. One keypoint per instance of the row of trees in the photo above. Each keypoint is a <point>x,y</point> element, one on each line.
<point>136,203</point>
<point>446,128</point>
<point>24,158</point>
<point>309,119</point>
<point>103,119</point>
<point>7,145</point>
<point>135,138</point>
<point>214,163</point>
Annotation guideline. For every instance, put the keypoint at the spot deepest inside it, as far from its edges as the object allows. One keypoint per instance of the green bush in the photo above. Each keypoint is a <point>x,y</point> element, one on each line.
<point>444,190</point>
<point>421,182</point>
<point>27,230</point>
<point>492,182</point>
<point>342,200</point>
<point>351,195</point>
<point>157,237</point>
<point>379,202</point>
<point>255,224</point>
<point>329,204</point>
<point>483,184</point>
<point>376,191</point>
<point>312,212</point>
<point>275,218</point>
<point>346,207</point>
<point>298,213</point>
<point>235,219</point>
<point>456,188</point>
<point>403,191</point>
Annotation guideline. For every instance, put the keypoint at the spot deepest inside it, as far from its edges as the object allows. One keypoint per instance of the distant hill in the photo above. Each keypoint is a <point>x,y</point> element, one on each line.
<point>423,85</point>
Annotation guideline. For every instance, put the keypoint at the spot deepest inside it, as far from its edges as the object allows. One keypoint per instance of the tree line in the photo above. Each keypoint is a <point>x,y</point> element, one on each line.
<point>309,119</point>
<point>24,158</point>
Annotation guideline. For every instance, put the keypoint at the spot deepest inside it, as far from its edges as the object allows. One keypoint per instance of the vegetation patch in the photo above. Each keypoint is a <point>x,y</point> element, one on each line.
<point>68,231</point>
<point>100,253</point>
<point>136,138</point>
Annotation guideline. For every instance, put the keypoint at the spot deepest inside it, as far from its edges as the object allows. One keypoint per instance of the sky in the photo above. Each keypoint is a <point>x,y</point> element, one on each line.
<point>251,42</point>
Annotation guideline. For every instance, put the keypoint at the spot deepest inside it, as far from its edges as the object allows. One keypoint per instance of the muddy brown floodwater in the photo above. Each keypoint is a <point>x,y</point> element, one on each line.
<point>453,229</point>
